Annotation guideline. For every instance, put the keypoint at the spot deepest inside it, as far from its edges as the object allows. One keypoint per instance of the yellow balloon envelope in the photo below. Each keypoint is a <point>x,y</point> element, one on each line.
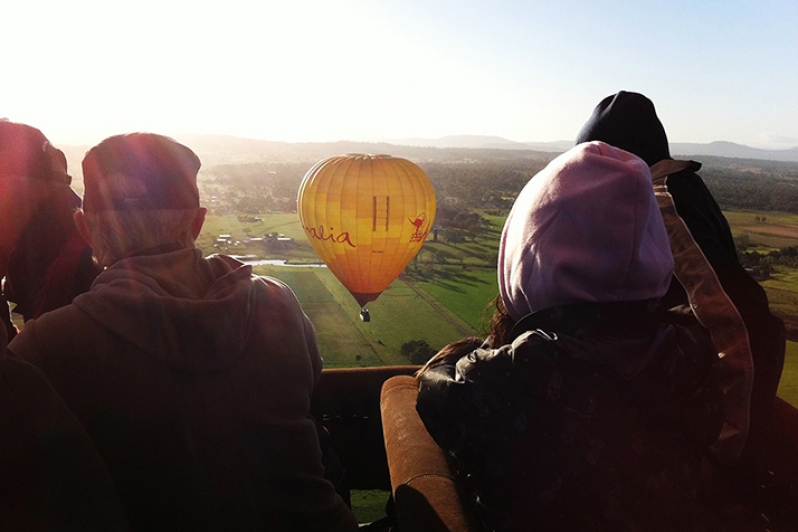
<point>366,216</point>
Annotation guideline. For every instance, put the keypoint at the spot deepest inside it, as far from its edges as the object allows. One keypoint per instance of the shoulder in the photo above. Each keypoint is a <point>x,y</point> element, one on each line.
<point>224,266</point>
<point>274,285</point>
<point>55,335</point>
<point>686,179</point>
<point>484,362</point>
<point>276,293</point>
<point>483,372</point>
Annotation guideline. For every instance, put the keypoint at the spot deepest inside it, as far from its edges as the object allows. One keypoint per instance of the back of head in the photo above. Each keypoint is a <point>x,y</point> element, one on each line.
<point>585,229</point>
<point>140,171</point>
<point>628,120</point>
<point>25,151</point>
<point>140,192</point>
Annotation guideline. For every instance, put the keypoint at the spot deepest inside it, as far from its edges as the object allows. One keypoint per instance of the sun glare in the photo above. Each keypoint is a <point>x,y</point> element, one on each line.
<point>310,70</point>
<point>280,70</point>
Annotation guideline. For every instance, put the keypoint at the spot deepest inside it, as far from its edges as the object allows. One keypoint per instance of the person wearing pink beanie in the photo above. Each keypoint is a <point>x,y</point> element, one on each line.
<point>588,407</point>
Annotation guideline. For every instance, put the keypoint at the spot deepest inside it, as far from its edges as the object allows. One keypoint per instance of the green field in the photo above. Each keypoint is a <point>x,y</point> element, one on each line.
<point>788,388</point>
<point>284,224</point>
<point>466,292</point>
<point>766,230</point>
<point>782,290</point>
<point>398,316</point>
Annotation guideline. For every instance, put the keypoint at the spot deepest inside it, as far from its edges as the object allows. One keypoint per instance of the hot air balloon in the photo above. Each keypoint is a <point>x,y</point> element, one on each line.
<point>366,216</point>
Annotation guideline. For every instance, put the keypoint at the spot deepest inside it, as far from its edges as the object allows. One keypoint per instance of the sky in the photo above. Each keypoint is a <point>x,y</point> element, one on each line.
<point>367,70</point>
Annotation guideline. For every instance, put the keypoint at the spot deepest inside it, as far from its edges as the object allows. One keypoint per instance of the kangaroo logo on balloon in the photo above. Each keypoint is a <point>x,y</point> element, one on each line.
<point>422,229</point>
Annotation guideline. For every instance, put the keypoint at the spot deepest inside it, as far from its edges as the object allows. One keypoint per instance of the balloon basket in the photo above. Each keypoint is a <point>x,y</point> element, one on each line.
<point>364,315</point>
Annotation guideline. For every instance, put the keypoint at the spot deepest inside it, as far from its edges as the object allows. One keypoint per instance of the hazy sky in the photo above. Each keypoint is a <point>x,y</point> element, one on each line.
<point>526,70</point>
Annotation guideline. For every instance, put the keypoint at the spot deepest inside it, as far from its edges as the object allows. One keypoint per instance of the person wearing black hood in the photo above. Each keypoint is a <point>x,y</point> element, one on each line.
<point>629,121</point>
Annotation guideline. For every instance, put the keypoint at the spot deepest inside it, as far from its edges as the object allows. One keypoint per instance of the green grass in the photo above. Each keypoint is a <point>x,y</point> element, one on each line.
<point>778,230</point>
<point>782,291</point>
<point>766,242</point>
<point>738,218</point>
<point>369,505</point>
<point>341,344</point>
<point>783,302</point>
<point>788,388</point>
<point>783,278</point>
<point>286,223</point>
<point>398,316</point>
<point>465,292</point>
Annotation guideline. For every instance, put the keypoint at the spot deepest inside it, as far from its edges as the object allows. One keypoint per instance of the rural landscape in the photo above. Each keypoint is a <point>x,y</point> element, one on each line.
<point>250,188</point>
<point>445,293</point>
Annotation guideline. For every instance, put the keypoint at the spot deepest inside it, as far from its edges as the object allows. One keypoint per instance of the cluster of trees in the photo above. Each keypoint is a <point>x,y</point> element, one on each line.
<point>763,262</point>
<point>253,187</point>
<point>464,184</point>
<point>494,184</point>
<point>755,185</point>
<point>460,186</point>
<point>457,224</point>
<point>481,185</point>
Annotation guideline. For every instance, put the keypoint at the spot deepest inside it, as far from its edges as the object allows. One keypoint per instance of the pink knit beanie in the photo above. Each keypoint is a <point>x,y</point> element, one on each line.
<point>585,229</point>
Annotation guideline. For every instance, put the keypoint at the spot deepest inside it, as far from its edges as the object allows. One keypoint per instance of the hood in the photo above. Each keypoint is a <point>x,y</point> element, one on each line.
<point>586,228</point>
<point>191,313</point>
<point>628,120</point>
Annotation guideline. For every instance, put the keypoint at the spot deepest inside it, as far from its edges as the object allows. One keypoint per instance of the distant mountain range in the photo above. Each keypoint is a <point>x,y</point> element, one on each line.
<point>715,149</point>
<point>226,149</point>
<point>732,150</point>
<point>484,142</point>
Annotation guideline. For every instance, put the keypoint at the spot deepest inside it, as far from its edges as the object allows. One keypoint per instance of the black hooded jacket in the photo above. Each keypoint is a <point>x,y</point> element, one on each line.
<point>629,121</point>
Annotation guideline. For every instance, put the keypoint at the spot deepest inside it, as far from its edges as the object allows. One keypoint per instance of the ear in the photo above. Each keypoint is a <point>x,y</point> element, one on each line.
<point>80,223</point>
<point>196,223</point>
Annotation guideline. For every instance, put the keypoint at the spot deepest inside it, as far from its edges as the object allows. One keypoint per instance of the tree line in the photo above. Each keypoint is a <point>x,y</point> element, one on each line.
<point>465,185</point>
<point>752,184</point>
<point>762,263</point>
